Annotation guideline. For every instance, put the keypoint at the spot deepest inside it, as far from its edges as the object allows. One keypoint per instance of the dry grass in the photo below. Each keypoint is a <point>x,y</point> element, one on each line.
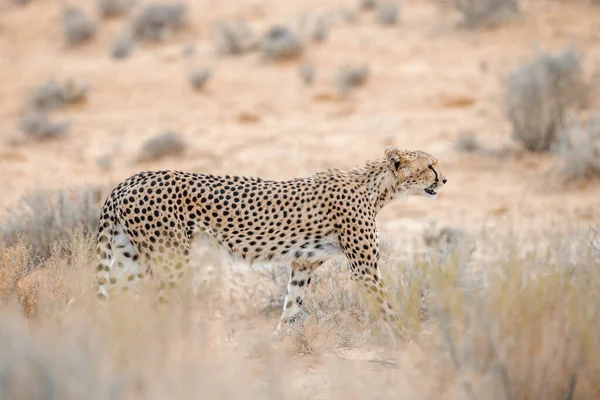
<point>167,144</point>
<point>476,14</point>
<point>48,220</point>
<point>540,93</point>
<point>579,149</point>
<point>520,323</point>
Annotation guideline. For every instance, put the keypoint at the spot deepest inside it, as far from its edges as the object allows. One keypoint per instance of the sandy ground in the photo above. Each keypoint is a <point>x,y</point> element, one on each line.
<point>428,82</point>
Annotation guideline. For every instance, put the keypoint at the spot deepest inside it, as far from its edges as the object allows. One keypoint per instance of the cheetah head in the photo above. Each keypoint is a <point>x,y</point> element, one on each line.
<point>416,172</point>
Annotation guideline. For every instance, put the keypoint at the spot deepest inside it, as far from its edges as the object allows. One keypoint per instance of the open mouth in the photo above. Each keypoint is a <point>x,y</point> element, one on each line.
<point>430,190</point>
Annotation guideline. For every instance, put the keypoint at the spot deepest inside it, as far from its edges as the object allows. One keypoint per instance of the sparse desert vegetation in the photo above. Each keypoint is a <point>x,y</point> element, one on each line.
<point>160,146</point>
<point>578,146</point>
<point>496,280</point>
<point>156,21</point>
<point>77,26</point>
<point>279,42</point>
<point>483,13</point>
<point>540,94</point>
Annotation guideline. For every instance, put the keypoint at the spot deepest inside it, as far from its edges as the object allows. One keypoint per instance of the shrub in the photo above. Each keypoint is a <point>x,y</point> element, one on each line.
<point>233,38</point>
<point>351,76</point>
<point>467,142</point>
<point>52,95</point>
<point>160,146</point>
<point>157,20</point>
<point>579,150</point>
<point>386,13</point>
<point>15,263</point>
<point>539,94</point>
<point>483,13</point>
<point>280,42</point>
<point>198,77</point>
<point>78,27</point>
<point>122,47</point>
<point>319,30</point>
<point>20,2</point>
<point>113,8</point>
<point>47,96</point>
<point>37,126</point>
<point>367,4</point>
<point>307,73</point>
<point>48,218</point>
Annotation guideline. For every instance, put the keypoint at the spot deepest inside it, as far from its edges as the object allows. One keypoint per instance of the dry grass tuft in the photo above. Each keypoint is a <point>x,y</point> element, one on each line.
<point>527,327</point>
<point>386,12</point>
<point>78,28</point>
<point>113,8</point>
<point>579,148</point>
<point>38,126</point>
<point>280,43</point>
<point>467,143</point>
<point>122,47</point>
<point>350,76</point>
<point>52,95</point>
<point>539,94</point>
<point>198,77</point>
<point>230,39</point>
<point>48,220</point>
<point>157,21</point>
<point>167,144</point>
<point>478,14</point>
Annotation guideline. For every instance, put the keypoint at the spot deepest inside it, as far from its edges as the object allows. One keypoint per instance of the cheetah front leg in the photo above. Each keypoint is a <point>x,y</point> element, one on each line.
<point>299,281</point>
<point>361,247</point>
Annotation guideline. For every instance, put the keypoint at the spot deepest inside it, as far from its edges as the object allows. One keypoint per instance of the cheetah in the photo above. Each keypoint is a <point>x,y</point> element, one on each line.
<point>149,221</point>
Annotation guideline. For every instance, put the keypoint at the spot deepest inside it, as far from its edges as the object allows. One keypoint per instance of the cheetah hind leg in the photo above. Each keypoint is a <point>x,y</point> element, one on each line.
<point>119,266</point>
<point>293,305</point>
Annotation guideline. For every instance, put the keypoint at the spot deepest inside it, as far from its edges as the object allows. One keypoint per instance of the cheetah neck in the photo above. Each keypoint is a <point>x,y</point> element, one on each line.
<point>378,180</point>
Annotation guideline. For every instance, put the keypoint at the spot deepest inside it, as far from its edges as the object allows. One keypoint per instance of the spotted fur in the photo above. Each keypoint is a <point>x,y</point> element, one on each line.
<point>149,221</point>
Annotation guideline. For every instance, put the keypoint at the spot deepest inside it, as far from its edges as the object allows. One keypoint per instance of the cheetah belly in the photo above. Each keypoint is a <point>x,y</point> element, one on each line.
<point>309,251</point>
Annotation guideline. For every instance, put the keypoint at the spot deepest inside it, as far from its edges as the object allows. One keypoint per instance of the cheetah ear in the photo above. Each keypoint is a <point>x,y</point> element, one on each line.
<point>396,158</point>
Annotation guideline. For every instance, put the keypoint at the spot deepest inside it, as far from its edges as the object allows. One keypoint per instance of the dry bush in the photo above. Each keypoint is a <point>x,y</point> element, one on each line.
<point>231,39</point>
<point>46,218</point>
<point>167,144</point>
<point>467,143</point>
<point>280,43</point>
<point>350,76</point>
<point>198,77</point>
<point>319,29</point>
<point>15,263</point>
<point>156,21</point>
<point>307,72</point>
<point>579,148</point>
<point>122,47</point>
<point>539,94</point>
<point>20,2</point>
<point>78,28</point>
<point>483,13</point>
<point>386,12</point>
<point>529,330</point>
<point>52,95</point>
<point>37,126</point>
<point>113,8</point>
<point>367,4</point>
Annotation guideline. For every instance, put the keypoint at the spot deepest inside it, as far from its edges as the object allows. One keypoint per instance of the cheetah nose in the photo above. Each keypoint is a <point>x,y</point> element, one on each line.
<point>444,180</point>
